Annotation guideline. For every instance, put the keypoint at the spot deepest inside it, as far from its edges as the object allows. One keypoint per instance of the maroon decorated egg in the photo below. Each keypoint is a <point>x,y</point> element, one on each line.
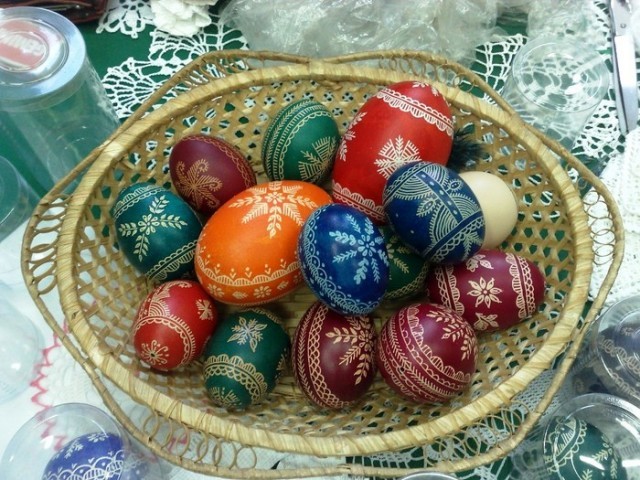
<point>332,356</point>
<point>207,171</point>
<point>405,122</point>
<point>173,324</point>
<point>492,290</point>
<point>426,352</point>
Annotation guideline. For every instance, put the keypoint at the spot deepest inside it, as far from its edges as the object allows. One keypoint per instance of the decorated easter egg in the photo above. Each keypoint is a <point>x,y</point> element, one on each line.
<point>246,254</point>
<point>344,259</point>
<point>405,122</point>
<point>576,449</point>
<point>245,357</point>
<point>332,356</point>
<point>492,290</point>
<point>434,212</point>
<point>497,202</point>
<point>98,455</point>
<point>407,269</point>
<point>207,171</point>
<point>156,230</point>
<point>300,143</point>
<point>426,352</point>
<point>173,324</point>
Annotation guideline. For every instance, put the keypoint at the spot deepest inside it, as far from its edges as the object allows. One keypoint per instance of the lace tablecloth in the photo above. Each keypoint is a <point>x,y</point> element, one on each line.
<point>60,379</point>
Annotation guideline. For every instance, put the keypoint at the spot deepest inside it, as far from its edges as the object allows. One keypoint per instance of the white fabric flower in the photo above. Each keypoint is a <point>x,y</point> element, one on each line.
<point>181,17</point>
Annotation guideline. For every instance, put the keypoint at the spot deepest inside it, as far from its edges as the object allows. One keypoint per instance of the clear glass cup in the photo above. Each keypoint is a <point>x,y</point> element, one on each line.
<point>609,360</point>
<point>429,476</point>
<point>595,436</point>
<point>17,199</point>
<point>21,345</point>
<point>76,440</point>
<point>53,107</point>
<point>555,84</point>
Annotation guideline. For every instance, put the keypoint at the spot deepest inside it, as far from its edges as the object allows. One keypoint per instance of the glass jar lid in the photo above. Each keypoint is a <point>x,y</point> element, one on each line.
<point>40,52</point>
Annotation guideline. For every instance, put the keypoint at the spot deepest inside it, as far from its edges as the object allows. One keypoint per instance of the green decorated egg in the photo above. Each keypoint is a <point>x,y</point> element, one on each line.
<point>300,143</point>
<point>245,357</point>
<point>407,269</point>
<point>575,449</point>
<point>157,231</point>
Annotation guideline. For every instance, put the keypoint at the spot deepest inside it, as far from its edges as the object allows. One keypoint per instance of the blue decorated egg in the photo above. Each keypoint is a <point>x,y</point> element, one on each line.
<point>98,456</point>
<point>157,231</point>
<point>344,260</point>
<point>434,212</point>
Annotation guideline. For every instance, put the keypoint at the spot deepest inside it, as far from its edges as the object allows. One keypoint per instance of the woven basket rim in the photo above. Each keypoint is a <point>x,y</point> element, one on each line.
<point>341,444</point>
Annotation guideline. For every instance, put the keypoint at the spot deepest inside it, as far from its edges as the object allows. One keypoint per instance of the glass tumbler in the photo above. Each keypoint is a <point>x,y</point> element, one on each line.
<point>53,107</point>
<point>21,345</point>
<point>609,361</point>
<point>555,84</point>
<point>594,436</point>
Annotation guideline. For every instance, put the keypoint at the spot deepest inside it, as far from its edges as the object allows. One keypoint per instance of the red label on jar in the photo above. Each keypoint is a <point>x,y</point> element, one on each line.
<point>22,45</point>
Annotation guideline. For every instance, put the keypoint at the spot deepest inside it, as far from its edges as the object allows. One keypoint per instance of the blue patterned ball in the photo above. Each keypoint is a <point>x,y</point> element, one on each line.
<point>434,212</point>
<point>344,260</point>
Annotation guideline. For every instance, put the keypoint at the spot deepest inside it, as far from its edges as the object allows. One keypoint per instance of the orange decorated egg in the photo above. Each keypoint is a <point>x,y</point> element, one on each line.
<point>246,253</point>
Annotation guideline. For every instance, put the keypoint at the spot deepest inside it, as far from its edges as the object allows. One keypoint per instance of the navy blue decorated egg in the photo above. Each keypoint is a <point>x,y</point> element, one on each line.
<point>97,456</point>
<point>344,260</point>
<point>157,231</point>
<point>434,212</point>
<point>245,357</point>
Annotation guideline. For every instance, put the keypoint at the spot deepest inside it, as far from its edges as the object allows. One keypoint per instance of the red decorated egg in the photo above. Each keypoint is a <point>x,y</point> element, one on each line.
<point>207,171</point>
<point>332,356</point>
<point>246,253</point>
<point>405,122</point>
<point>173,324</point>
<point>426,352</point>
<point>492,290</point>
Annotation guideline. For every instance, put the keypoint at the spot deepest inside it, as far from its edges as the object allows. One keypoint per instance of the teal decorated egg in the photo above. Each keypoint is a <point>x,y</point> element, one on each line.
<point>300,143</point>
<point>575,449</point>
<point>407,269</point>
<point>156,230</point>
<point>245,357</point>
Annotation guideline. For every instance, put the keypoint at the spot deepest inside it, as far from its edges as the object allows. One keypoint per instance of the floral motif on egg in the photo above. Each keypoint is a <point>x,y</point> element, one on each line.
<point>234,367</point>
<point>275,200</point>
<point>417,108</point>
<point>349,135</point>
<point>193,182</point>
<point>150,223</point>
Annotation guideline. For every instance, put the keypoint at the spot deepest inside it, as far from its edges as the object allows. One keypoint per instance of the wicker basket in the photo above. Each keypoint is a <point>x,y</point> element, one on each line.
<point>69,259</point>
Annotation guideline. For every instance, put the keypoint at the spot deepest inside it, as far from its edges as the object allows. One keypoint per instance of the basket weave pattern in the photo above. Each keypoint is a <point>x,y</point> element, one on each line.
<point>222,94</point>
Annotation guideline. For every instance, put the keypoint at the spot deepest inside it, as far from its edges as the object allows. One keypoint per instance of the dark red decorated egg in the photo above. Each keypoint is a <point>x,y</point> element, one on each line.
<point>492,290</point>
<point>426,352</point>
<point>332,356</point>
<point>173,324</point>
<point>405,122</point>
<point>207,171</point>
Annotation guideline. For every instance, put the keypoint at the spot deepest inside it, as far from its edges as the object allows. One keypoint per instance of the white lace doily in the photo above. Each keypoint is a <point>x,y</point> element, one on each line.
<point>131,82</point>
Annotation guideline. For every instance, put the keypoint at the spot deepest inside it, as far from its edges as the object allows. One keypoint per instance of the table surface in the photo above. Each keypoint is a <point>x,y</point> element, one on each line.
<point>114,52</point>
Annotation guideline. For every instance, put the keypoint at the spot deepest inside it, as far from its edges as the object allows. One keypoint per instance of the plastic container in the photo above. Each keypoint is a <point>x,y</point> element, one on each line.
<point>595,436</point>
<point>609,362</point>
<point>17,199</point>
<point>53,108</point>
<point>75,440</point>
<point>21,345</point>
